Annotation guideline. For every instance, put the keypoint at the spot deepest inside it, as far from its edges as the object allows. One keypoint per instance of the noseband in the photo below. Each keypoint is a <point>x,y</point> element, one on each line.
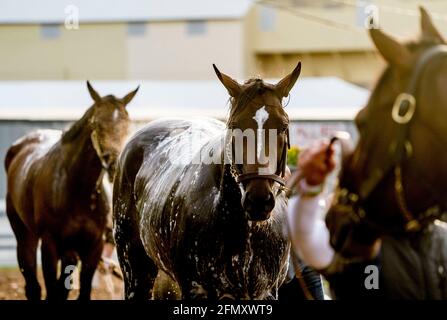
<point>400,150</point>
<point>278,177</point>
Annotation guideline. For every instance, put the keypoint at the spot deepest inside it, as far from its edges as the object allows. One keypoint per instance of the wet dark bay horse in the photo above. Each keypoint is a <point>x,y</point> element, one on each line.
<point>395,181</point>
<point>55,194</point>
<point>216,229</point>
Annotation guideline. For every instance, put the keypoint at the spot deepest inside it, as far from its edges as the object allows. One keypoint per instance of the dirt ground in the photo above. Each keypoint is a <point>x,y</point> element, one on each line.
<point>12,286</point>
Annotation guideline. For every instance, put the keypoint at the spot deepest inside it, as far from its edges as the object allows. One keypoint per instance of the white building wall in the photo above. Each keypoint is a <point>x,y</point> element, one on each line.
<point>168,50</point>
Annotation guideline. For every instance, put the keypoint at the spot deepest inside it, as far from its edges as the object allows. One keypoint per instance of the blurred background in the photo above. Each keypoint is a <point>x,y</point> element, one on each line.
<point>48,48</point>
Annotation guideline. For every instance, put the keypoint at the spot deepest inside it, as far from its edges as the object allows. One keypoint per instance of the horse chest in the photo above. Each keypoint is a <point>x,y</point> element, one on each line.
<point>70,220</point>
<point>218,258</point>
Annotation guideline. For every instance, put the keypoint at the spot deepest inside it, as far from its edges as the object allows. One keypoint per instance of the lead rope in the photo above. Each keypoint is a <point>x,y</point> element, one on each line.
<point>292,181</point>
<point>296,265</point>
<point>298,274</point>
<point>97,147</point>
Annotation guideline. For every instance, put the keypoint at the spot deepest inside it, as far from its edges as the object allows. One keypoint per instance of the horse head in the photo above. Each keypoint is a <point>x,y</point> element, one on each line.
<point>395,175</point>
<point>257,140</point>
<point>109,123</point>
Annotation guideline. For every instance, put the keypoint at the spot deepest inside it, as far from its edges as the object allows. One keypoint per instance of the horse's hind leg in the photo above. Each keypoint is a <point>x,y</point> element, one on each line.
<point>139,271</point>
<point>26,252</point>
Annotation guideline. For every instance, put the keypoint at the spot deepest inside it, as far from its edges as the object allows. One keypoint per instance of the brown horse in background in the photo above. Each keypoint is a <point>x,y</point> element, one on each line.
<point>55,194</point>
<point>395,181</point>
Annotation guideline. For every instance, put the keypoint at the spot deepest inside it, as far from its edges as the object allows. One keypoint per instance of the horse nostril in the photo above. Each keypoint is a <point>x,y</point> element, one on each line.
<point>106,158</point>
<point>268,199</point>
<point>267,202</point>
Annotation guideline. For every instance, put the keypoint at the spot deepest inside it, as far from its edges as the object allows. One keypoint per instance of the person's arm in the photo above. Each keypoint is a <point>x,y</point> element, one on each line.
<point>308,232</point>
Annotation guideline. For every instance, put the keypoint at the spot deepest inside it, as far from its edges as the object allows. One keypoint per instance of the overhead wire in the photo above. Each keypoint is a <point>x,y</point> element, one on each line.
<point>302,13</point>
<point>308,16</point>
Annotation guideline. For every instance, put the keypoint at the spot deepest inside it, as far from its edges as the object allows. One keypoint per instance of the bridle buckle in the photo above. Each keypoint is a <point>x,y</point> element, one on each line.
<point>400,100</point>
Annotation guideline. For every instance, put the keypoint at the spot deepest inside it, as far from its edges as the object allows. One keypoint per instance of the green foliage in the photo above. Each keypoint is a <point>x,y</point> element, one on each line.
<point>292,156</point>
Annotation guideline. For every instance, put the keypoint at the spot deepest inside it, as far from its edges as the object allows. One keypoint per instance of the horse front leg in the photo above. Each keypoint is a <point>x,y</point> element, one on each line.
<point>50,259</point>
<point>90,260</point>
<point>68,267</point>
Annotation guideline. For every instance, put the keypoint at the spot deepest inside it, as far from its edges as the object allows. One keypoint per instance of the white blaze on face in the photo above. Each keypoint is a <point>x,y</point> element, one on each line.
<point>115,115</point>
<point>260,117</point>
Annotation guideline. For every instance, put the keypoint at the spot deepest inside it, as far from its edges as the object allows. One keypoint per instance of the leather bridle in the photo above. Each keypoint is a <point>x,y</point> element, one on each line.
<point>104,166</point>
<point>278,176</point>
<point>400,149</point>
<point>97,145</point>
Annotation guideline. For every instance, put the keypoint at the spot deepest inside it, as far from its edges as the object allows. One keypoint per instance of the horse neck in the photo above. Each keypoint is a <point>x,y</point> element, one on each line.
<point>81,160</point>
<point>229,188</point>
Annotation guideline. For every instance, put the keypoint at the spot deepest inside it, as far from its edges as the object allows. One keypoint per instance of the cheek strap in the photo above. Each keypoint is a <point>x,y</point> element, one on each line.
<point>97,147</point>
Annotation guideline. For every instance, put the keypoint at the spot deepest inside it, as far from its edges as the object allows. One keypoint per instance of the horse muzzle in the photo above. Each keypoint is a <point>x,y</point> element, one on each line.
<point>258,207</point>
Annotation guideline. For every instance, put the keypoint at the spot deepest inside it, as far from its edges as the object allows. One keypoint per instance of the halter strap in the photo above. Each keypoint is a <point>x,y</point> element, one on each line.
<point>254,175</point>
<point>277,177</point>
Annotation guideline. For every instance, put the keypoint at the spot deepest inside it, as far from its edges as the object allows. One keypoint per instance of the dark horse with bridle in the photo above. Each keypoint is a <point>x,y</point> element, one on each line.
<point>215,226</point>
<point>393,185</point>
<point>55,193</point>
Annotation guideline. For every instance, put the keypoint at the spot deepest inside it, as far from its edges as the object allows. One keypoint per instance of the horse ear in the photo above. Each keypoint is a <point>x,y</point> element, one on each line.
<point>429,30</point>
<point>128,98</point>
<point>95,96</point>
<point>391,50</point>
<point>284,86</point>
<point>233,87</point>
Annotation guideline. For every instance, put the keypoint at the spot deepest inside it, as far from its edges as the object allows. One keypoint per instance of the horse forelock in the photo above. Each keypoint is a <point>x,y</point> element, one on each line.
<point>253,88</point>
<point>110,99</point>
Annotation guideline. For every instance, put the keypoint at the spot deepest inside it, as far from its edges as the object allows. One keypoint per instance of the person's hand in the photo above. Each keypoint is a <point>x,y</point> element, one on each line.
<point>316,162</point>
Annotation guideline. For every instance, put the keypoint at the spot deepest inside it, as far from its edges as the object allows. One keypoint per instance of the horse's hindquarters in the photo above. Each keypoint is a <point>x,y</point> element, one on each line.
<point>22,166</point>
